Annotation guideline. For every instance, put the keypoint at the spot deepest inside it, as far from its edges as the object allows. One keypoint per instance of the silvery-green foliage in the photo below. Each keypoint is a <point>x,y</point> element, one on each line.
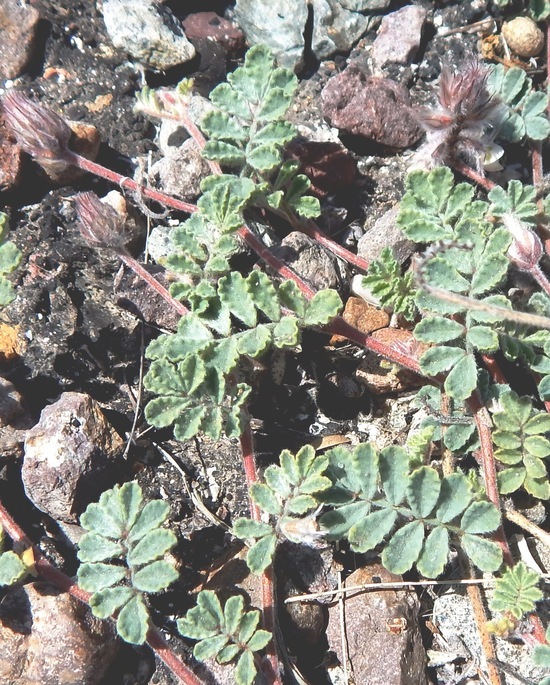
<point>518,199</point>
<point>516,592</point>
<point>526,113</point>
<point>12,567</point>
<point>289,493</point>
<point>10,257</point>
<point>393,290</point>
<point>124,529</point>
<point>414,515</point>
<point>227,633</point>
<point>521,444</point>
<point>195,372</point>
<point>247,132</point>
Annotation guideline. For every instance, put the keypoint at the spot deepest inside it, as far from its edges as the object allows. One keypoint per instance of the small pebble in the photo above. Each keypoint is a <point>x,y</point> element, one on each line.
<point>523,37</point>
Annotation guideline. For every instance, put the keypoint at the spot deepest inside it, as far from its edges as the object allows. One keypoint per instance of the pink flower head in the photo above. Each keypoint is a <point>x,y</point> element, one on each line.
<point>526,248</point>
<point>39,131</point>
<point>100,225</point>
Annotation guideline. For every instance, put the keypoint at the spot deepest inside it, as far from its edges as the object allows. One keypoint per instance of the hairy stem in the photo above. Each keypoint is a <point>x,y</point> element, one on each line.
<point>473,175</point>
<point>523,522</point>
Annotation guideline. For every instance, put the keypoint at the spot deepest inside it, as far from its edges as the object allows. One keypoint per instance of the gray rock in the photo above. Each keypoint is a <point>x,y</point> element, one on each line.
<point>399,36</point>
<point>385,233</point>
<point>18,27</point>
<point>383,637</point>
<point>280,25</point>
<point>148,32</point>
<point>308,259</point>
<point>181,171</point>
<point>70,457</point>
<point>365,5</point>
<point>370,106</point>
<point>335,28</point>
<point>48,637</point>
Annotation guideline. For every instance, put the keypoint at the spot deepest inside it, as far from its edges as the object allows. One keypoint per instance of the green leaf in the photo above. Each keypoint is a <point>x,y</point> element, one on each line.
<point>275,478</point>
<point>12,569</point>
<point>227,98</point>
<point>462,380</point>
<point>105,602</point>
<point>245,670</point>
<point>219,125</point>
<point>322,307</point>
<point>436,329</point>
<point>371,530</point>
<point>248,625</point>
<point>152,516</point>
<point>10,257</point>
<point>260,639</point>
<point>96,520</point>
<point>95,577</point>
<point>516,592</point>
<point>537,424</point>
<point>247,528</point>
<point>233,612</point>
<point>483,338</point>
<point>151,546</point>
<point>133,622</point>
<point>94,547</point>
<point>454,497</point>
<point>484,554</point>
<point>155,577</point>
<point>286,333</point>
<point>225,153</point>
<point>537,446</point>
<point>423,491</point>
<point>404,547</point>
<point>277,132</point>
<point>233,292</point>
<point>480,517</point>
<point>435,551</point>
<point>254,342</point>
<point>261,554</point>
<point>227,654</point>
<point>538,487</point>
<point>439,359</point>
<point>307,206</point>
<point>266,499</point>
<point>292,298</point>
<point>510,480</point>
<point>394,468</point>
<point>264,294</point>
<point>264,157</point>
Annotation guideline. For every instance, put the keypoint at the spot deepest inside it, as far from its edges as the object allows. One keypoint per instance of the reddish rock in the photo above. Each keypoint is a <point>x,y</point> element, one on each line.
<point>48,637</point>
<point>370,106</point>
<point>364,316</point>
<point>329,167</point>
<point>10,156</point>
<point>399,36</point>
<point>384,645</point>
<point>18,25</point>
<point>70,457</point>
<point>215,28</point>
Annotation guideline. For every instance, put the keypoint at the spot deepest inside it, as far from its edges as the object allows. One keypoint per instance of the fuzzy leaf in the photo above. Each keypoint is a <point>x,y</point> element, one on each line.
<point>12,569</point>
<point>205,619</point>
<point>133,622</point>
<point>510,480</point>
<point>233,612</point>
<point>152,546</point>
<point>233,292</point>
<point>155,577</point>
<point>286,333</point>
<point>423,491</point>
<point>322,307</point>
<point>537,424</point>
<point>254,342</point>
<point>480,517</point>
<point>439,359</point>
<point>219,125</point>
<point>404,547</point>
<point>538,487</point>
<point>394,468</point>
<point>337,523</point>
<point>264,157</point>
<point>277,132</point>
<point>105,602</point>
<point>245,670</point>
<point>537,446</point>
<point>292,298</point>
<point>227,654</point>
<point>225,153</point>
<point>260,555</point>
<point>264,294</point>
<point>152,516</point>
<point>260,639</point>
<point>275,478</point>
<point>462,380</point>
<point>247,528</point>
<point>493,265</point>
<point>516,592</point>
<point>435,551</point>
<point>96,520</point>
<point>517,199</point>
<point>307,206</point>
<point>95,577</point>
<point>483,339</point>
<point>231,101</point>
<point>371,530</point>
<point>248,625</point>
<point>484,554</point>
<point>266,499</point>
<point>436,329</point>
<point>94,547</point>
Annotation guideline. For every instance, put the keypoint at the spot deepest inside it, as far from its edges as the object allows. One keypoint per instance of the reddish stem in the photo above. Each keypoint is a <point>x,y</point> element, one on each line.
<point>473,175</point>
<point>494,369</point>
<point>484,425</point>
<point>249,464</point>
<point>62,581</point>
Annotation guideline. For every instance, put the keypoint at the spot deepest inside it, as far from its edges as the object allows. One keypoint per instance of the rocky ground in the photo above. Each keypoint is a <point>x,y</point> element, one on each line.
<point>71,344</point>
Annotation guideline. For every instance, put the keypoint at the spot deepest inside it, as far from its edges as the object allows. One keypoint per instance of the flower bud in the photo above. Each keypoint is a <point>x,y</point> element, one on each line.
<point>526,248</point>
<point>39,131</point>
<point>100,225</point>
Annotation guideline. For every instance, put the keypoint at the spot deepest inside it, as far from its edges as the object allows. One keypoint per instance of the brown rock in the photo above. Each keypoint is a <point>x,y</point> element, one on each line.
<point>328,166</point>
<point>18,25</point>
<point>384,646</point>
<point>70,457</point>
<point>10,156</point>
<point>369,106</point>
<point>12,343</point>
<point>364,316</point>
<point>523,37</point>
<point>215,28</point>
<point>181,171</point>
<point>399,36</point>
<point>309,260</point>
<point>49,638</point>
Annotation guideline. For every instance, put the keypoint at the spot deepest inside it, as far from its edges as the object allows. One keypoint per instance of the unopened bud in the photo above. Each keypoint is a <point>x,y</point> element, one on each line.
<point>100,225</point>
<point>39,131</point>
<point>526,248</point>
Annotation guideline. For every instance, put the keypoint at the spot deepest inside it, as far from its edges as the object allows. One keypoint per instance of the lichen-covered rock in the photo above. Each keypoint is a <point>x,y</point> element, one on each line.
<point>148,32</point>
<point>335,27</point>
<point>49,638</point>
<point>70,457</point>
<point>370,106</point>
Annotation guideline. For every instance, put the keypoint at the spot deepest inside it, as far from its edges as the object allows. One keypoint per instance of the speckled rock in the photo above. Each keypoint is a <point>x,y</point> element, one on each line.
<point>369,106</point>
<point>211,26</point>
<point>49,638</point>
<point>10,157</point>
<point>383,638</point>
<point>148,32</point>
<point>70,457</point>
<point>385,233</point>
<point>181,171</point>
<point>335,28</point>
<point>399,36</point>
<point>18,27</point>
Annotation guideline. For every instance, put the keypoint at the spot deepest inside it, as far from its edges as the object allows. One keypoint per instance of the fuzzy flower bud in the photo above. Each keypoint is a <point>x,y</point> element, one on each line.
<point>526,248</point>
<point>39,131</point>
<point>100,225</point>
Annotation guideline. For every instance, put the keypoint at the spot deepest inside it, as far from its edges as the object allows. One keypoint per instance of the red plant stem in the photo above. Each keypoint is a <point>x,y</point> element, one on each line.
<point>484,426</point>
<point>62,581</point>
<point>271,668</point>
<point>124,181</point>
<point>540,278</point>
<point>138,269</point>
<point>494,369</point>
<point>250,472</point>
<point>473,175</point>
<point>538,170</point>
